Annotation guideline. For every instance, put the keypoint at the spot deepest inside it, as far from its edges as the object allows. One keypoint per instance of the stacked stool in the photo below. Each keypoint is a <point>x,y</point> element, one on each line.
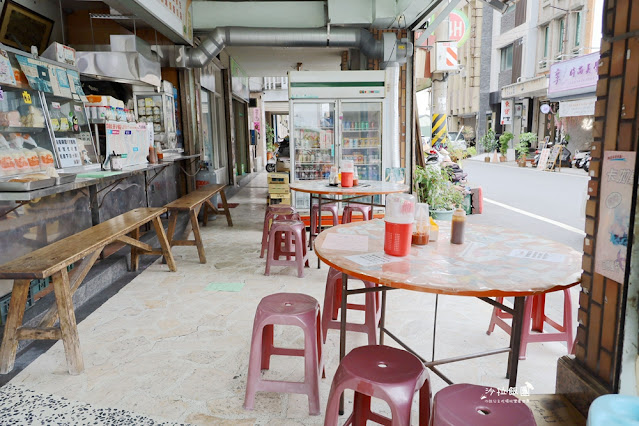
<point>286,309</point>
<point>333,302</point>
<point>464,404</point>
<point>291,233</point>
<point>274,212</point>
<point>316,217</point>
<point>390,374</point>
<point>347,214</point>
<point>565,331</point>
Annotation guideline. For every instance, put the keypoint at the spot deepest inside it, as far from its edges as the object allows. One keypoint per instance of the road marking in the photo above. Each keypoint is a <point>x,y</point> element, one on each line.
<point>535,216</point>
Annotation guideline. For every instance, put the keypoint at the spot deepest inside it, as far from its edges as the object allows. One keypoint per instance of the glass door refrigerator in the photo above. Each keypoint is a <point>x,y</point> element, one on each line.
<point>336,116</point>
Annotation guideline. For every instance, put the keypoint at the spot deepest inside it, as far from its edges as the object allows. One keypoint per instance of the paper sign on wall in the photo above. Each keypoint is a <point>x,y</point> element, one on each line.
<point>68,152</point>
<point>617,175</point>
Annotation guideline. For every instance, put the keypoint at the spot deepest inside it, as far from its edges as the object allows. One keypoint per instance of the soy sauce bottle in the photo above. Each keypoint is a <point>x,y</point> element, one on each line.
<point>457,227</point>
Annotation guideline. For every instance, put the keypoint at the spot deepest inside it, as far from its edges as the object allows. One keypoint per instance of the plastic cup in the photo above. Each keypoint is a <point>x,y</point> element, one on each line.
<point>398,238</point>
<point>347,179</point>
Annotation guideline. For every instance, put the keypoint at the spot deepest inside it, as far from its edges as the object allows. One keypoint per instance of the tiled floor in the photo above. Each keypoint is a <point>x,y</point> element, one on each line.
<point>166,348</point>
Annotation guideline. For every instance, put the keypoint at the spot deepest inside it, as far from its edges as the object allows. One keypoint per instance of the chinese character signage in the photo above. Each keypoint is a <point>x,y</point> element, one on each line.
<point>68,152</point>
<point>575,76</point>
<point>506,112</point>
<point>617,175</point>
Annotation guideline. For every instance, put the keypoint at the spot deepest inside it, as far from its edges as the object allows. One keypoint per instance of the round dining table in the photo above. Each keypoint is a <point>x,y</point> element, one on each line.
<point>492,262</point>
<point>323,192</point>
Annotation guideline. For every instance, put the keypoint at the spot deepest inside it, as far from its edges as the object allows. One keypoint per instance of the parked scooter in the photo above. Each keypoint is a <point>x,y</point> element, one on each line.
<point>586,163</point>
<point>578,160</point>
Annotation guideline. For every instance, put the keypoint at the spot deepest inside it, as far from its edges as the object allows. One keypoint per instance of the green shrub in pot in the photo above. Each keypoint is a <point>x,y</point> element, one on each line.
<point>433,186</point>
<point>503,142</point>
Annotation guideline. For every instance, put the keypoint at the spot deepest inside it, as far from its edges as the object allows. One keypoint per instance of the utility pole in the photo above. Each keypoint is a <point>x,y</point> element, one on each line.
<point>440,93</point>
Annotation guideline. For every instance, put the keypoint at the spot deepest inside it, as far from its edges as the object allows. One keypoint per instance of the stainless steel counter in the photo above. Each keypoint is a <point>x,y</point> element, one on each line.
<point>84,182</point>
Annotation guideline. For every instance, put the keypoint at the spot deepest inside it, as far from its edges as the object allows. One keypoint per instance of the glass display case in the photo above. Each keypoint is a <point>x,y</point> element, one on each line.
<point>158,108</point>
<point>71,131</point>
<point>25,142</point>
<point>362,137</point>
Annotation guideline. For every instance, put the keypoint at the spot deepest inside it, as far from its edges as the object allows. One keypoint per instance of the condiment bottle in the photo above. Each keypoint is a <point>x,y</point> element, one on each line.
<point>158,151</point>
<point>457,227</point>
<point>421,229</point>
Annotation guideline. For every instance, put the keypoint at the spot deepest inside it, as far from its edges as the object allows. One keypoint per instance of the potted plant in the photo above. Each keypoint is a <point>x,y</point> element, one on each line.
<point>433,186</point>
<point>489,143</point>
<point>271,147</point>
<point>525,141</point>
<point>503,144</point>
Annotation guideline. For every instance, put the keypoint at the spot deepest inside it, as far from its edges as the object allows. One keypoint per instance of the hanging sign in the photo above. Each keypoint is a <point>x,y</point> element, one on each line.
<point>577,108</point>
<point>506,112</point>
<point>617,176</point>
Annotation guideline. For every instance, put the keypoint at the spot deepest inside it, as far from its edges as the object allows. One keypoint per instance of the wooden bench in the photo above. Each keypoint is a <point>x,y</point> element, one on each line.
<point>83,249</point>
<point>191,203</point>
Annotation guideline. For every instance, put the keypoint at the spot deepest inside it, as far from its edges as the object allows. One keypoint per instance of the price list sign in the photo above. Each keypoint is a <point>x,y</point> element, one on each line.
<point>68,152</point>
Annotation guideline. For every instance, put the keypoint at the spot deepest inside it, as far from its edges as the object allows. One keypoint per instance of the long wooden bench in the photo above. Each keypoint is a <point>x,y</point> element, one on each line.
<point>191,203</point>
<point>83,249</point>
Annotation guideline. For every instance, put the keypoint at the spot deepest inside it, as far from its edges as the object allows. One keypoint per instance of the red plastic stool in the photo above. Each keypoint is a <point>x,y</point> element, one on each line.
<point>534,313</point>
<point>315,216</point>
<point>293,309</point>
<point>465,404</point>
<point>364,209</point>
<point>275,212</point>
<point>291,233</point>
<point>333,302</point>
<point>381,372</point>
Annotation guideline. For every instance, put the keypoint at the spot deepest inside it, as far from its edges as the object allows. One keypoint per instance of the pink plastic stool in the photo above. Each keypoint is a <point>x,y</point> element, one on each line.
<point>465,404</point>
<point>274,212</point>
<point>536,303</point>
<point>381,372</point>
<point>364,209</point>
<point>286,309</point>
<point>331,207</point>
<point>333,302</point>
<point>291,233</point>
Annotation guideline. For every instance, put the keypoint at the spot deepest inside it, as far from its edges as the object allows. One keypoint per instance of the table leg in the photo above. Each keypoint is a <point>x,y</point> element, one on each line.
<point>68,326</point>
<point>515,340</point>
<point>227,211</point>
<point>164,243</point>
<point>319,221</point>
<point>370,214</point>
<point>135,255</point>
<point>382,319</point>
<point>14,321</point>
<point>196,235</point>
<point>310,230</point>
<point>538,309</point>
<point>342,332</point>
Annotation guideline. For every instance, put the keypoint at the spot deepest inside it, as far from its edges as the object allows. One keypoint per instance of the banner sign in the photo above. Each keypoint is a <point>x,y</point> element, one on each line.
<point>617,175</point>
<point>506,112</point>
<point>574,76</point>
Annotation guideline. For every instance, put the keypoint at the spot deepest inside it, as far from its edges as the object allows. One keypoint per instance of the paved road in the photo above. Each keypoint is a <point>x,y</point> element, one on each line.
<point>555,199</point>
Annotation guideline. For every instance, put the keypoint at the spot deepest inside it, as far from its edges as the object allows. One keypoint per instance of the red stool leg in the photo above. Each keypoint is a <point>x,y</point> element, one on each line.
<point>494,316</point>
<point>525,327</point>
<point>265,230</point>
<point>568,320</point>
<point>299,251</point>
<point>425,398</point>
<point>311,364</point>
<point>267,346</point>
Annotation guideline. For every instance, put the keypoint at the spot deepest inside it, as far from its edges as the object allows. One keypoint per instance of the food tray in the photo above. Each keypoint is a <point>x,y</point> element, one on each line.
<point>65,178</point>
<point>26,186</point>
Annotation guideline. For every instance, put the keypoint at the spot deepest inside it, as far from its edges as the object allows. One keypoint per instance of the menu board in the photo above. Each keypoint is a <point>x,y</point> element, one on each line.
<point>68,152</point>
<point>617,177</point>
<point>543,159</point>
<point>129,140</point>
<point>37,73</point>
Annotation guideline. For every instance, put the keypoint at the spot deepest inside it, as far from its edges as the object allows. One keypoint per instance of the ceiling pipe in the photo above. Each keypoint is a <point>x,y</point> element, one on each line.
<point>338,37</point>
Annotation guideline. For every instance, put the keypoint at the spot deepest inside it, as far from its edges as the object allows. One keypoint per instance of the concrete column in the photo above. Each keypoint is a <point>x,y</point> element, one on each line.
<point>440,93</point>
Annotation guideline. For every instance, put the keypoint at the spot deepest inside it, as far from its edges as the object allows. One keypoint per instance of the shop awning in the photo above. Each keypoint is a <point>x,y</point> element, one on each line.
<point>532,88</point>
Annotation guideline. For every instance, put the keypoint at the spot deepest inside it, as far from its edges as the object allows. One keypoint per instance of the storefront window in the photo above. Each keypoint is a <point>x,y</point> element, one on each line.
<point>507,58</point>
<point>562,34</point>
<point>546,40</point>
<point>578,29</point>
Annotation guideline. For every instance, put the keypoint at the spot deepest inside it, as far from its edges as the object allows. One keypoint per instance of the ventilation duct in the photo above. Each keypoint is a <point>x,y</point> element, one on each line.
<point>388,50</point>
